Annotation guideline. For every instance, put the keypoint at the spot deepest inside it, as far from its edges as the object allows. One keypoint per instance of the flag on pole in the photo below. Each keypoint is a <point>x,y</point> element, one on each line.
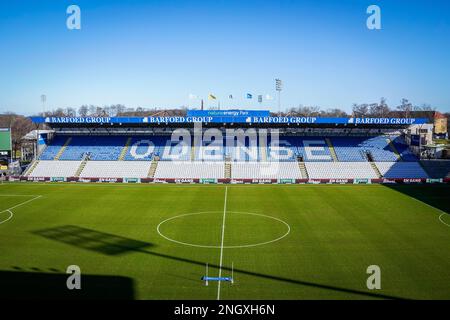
<point>211,97</point>
<point>249,96</point>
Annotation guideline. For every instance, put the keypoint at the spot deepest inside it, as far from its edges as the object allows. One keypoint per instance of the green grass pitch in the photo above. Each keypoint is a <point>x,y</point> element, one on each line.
<point>285,242</point>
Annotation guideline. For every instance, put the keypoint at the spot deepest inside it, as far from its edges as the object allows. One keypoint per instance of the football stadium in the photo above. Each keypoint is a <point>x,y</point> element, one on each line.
<point>229,205</point>
<point>214,159</point>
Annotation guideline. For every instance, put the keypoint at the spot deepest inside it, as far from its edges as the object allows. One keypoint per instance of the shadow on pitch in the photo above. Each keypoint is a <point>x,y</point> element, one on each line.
<point>101,242</point>
<point>41,285</point>
<point>435,195</point>
<point>110,244</point>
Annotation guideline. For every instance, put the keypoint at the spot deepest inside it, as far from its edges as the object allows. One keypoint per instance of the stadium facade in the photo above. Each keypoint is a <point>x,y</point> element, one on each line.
<point>234,146</point>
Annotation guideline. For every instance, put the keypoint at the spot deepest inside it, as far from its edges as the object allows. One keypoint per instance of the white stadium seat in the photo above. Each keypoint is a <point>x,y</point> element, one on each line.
<point>187,169</point>
<point>340,170</point>
<point>116,169</point>
<point>49,168</point>
<point>239,170</point>
<point>265,170</point>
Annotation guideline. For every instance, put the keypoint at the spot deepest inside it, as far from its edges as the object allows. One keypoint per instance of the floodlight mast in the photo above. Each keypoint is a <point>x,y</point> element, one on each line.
<point>278,88</point>
<point>43,100</point>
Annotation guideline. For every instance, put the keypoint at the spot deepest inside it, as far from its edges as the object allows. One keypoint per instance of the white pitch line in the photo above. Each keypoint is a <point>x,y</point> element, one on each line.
<point>441,220</point>
<point>158,229</point>
<point>16,206</point>
<point>19,195</point>
<point>10,216</point>
<point>443,213</point>
<point>22,203</point>
<point>221,244</point>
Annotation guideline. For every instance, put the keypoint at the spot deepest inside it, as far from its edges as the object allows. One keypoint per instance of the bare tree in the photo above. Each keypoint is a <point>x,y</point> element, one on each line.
<point>71,112</point>
<point>405,107</point>
<point>335,112</point>
<point>379,110</point>
<point>360,110</point>
<point>83,111</point>
<point>425,107</point>
<point>19,126</point>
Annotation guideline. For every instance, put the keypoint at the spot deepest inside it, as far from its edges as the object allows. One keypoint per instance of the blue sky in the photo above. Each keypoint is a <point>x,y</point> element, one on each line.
<point>155,53</point>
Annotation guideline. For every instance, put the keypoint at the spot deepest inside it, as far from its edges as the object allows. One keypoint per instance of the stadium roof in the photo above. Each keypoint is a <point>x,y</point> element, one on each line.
<point>32,135</point>
<point>250,120</point>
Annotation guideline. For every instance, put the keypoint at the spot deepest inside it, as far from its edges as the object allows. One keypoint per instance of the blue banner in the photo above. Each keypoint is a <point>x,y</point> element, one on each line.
<point>228,113</point>
<point>229,119</point>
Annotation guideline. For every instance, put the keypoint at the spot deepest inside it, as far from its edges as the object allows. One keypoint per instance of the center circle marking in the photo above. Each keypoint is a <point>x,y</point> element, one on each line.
<point>158,228</point>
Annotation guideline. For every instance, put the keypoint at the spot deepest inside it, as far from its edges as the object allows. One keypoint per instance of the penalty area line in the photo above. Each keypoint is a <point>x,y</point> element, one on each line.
<point>10,216</point>
<point>16,206</point>
<point>442,212</point>
<point>441,220</point>
<point>20,195</point>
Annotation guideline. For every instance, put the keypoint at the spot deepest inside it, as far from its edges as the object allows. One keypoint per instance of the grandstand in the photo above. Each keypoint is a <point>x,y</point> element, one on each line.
<point>88,151</point>
<point>183,234</point>
<point>132,157</point>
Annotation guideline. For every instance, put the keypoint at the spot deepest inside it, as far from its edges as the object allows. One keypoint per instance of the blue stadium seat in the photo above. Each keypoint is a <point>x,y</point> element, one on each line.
<point>311,149</point>
<point>355,148</point>
<point>99,148</point>
<point>52,150</point>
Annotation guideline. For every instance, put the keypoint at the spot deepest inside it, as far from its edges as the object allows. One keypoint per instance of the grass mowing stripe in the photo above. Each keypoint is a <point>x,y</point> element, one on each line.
<point>337,232</point>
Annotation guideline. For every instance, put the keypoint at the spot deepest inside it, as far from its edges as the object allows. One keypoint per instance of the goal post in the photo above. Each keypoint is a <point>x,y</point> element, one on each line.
<point>207,278</point>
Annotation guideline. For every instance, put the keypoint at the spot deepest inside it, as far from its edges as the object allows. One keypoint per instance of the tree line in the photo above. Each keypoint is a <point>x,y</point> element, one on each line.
<point>379,109</point>
<point>21,125</point>
<point>115,110</point>
<point>366,110</point>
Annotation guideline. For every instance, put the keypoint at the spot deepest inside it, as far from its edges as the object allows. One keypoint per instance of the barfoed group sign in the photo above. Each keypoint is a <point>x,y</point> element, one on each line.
<point>236,117</point>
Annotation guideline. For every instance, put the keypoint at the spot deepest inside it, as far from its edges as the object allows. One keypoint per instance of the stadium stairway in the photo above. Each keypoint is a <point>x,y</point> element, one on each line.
<point>375,168</point>
<point>31,167</point>
<point>332,151</point>
<point>227,172</point>
<point>81,168</point>
<point>303,170</point>
<point>394,149</point>
<point>192,152</point>
<point>124,151</point>
<point>153,167</point>
<point>263,149</point>
<point>63,148</point>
